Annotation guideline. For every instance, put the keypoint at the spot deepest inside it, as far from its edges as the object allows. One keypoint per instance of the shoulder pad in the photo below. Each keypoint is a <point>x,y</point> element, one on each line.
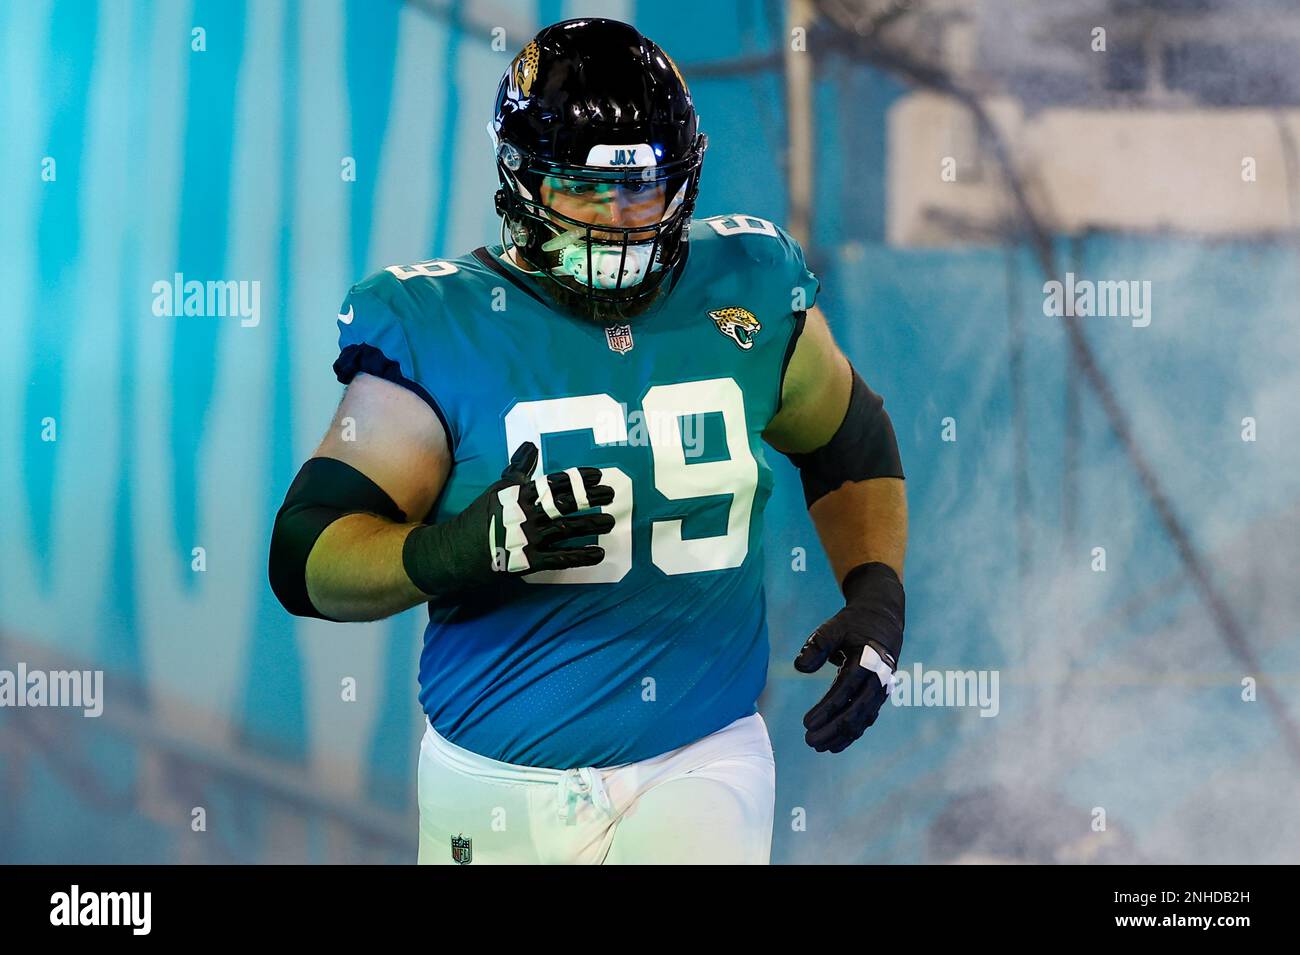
<point>773,253</point>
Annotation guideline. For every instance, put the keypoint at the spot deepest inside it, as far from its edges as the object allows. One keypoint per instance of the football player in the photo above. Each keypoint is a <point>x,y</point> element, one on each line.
<point>559,448</point>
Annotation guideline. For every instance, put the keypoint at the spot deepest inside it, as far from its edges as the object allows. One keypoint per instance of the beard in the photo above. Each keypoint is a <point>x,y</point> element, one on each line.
<point>600,311</point>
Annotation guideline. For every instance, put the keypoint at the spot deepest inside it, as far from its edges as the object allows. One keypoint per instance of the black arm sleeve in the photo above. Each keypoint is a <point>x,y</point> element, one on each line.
<point>864,447</point>
<point>324,490</point>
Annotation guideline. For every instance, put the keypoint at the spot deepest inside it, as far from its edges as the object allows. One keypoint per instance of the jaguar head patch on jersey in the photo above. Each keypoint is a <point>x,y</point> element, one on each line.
<point>524,69</point>
<point>738,324</point>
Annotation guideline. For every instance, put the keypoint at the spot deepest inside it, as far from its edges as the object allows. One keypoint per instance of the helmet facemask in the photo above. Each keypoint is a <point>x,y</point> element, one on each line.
<point>597,268</point>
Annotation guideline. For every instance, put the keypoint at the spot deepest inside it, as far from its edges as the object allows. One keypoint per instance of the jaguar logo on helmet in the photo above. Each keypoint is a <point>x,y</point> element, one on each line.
<point>738,324</point>
<point>524,68</point>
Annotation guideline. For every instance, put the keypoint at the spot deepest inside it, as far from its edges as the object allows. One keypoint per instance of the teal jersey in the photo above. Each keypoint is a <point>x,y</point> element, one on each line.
<point>664,641</point>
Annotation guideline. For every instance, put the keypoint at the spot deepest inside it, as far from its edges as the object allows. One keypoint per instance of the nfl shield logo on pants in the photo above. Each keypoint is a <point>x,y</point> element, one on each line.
<point>619,338</point>
<point>462,850</point>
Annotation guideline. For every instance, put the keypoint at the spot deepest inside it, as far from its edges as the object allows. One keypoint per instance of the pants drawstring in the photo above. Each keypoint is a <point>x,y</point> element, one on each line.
<point>578,784</point>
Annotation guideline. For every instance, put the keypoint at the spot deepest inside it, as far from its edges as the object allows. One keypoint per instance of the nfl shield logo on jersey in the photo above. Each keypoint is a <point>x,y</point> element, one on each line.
<point>619,338</point>
<point>462,850</point>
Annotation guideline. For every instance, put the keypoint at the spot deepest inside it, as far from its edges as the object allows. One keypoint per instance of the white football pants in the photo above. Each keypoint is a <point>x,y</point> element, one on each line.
<point>708,802</point>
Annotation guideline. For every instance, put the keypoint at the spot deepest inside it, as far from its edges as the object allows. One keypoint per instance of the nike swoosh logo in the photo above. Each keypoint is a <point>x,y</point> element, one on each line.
<point>346,317</point>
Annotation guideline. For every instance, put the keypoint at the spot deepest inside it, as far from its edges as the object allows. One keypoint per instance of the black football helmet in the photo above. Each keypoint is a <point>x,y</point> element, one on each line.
<point>591,106</point>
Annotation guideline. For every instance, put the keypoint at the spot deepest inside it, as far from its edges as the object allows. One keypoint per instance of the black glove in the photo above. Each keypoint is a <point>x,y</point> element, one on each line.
<point>864,640</point>
<point>514,527</point>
